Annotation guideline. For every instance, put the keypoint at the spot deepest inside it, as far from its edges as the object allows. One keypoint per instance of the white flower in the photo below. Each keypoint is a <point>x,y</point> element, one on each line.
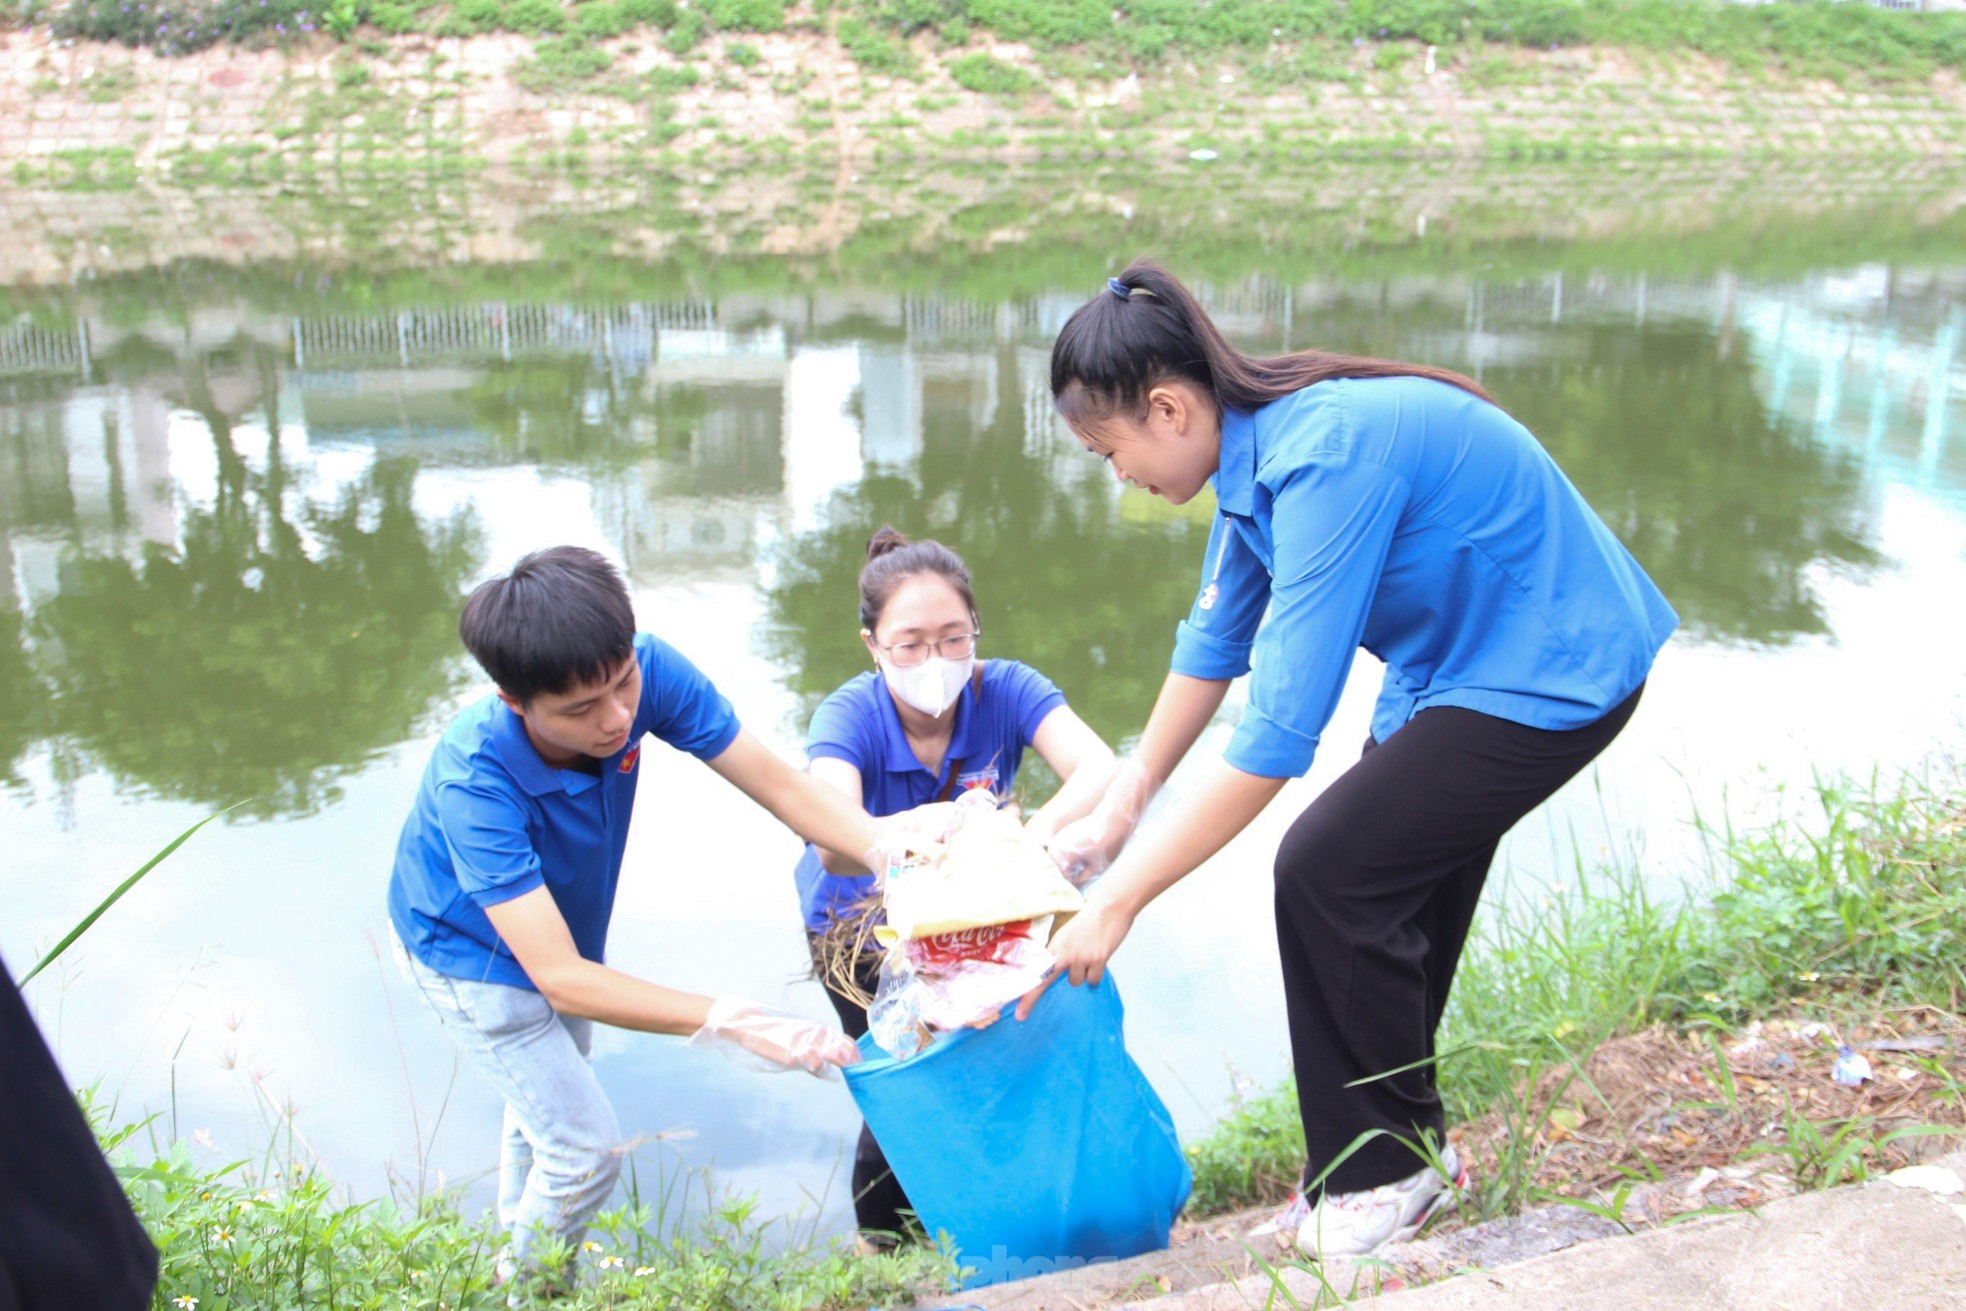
<point>611,1263</point>
<point>644,1271</point>
<point>186,1301</point>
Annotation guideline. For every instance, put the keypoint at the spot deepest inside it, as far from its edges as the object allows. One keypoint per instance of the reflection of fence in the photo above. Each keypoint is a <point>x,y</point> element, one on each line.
<point>1501,320</point>
<point>494,329</point>
<point>26,350</point>
<point>930,321</point>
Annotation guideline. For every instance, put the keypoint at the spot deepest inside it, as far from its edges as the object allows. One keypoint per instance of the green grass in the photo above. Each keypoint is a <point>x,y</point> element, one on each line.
<point>1841,919</point>
<point>562,64</point>
<point>980,73</point>
<point>1811,38</point>
<point>278,1236</point>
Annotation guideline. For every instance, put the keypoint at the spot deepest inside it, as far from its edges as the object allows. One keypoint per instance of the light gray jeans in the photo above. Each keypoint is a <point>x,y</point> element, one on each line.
<point>561,1148</point>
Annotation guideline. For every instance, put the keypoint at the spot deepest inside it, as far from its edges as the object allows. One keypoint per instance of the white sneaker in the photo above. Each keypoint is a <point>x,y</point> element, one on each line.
<point>1283,1225</point>
<point>1355,1224</point>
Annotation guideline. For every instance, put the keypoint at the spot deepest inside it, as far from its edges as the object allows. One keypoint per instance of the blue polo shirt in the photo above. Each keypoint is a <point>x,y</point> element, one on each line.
<point>493,821</point>
<point>1414,519</point>
<point>859,724</point>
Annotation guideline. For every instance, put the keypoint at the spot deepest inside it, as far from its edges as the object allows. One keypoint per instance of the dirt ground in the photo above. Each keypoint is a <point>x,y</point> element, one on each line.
<point>1690,1121</point>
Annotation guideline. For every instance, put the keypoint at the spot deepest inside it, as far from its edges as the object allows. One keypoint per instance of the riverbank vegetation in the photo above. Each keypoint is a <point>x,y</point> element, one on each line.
<point>257,1238</point>
<point>1291,39</point>
<point>1602,1037</point>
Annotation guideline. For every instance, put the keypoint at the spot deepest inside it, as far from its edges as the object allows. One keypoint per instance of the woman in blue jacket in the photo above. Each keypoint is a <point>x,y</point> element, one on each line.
<point>1367,503</point>
<point>930,720</point>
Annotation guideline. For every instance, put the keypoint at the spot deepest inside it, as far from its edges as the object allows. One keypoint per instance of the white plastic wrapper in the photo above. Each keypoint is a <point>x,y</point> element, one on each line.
<point>952,980</point>
<point>757,1037</point>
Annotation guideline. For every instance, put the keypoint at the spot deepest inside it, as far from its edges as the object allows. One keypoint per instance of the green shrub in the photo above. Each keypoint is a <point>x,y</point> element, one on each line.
<point>686,33</point>
<point>742,55</point>
<point>561,63</point>
<point>650,13</point>
<point>747,15</point>
<point>470,16</point>
<point>178,26</point>
<point>534,16</point>
<point>396,18</point>
<point>874,50</point>
<point>987,76</point>
<point>341,17</point>
<point>667,81</point>
<point>600,20</point>
<point>947,18</point>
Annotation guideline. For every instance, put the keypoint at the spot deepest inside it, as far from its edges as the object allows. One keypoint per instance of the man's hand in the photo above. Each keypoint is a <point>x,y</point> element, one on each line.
<point>766,1038</point>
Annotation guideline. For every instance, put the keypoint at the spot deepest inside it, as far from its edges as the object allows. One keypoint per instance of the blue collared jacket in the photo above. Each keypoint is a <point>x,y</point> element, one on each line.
<point>1414,519</point>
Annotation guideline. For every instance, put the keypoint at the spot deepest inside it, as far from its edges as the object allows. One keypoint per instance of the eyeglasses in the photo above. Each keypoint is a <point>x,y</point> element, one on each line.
<point>905,655</point>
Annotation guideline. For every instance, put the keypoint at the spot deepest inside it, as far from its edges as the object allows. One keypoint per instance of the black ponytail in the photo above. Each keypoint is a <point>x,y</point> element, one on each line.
<point>1146,328</point>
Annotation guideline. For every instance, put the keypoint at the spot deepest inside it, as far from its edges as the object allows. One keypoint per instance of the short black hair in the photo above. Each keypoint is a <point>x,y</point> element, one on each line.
<point>561,618</point>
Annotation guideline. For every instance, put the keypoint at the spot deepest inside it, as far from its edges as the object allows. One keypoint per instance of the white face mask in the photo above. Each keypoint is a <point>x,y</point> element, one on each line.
<point>931,686</point>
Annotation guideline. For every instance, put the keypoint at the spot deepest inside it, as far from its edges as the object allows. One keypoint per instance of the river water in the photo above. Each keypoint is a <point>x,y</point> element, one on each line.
<point>234,527</point>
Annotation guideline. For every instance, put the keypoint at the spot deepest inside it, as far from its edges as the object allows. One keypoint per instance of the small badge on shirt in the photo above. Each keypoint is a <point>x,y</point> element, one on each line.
<point>628,761</point>
<point>1208,595</point>
<point>986,779</point>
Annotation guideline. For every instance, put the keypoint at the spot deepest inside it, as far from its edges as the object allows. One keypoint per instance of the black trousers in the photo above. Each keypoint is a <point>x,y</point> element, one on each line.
<point>68,1238</point>
<point>1376,884</point>
<point>878,1199</point>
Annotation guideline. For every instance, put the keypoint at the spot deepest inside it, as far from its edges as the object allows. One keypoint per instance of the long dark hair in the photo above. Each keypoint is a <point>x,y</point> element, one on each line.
<point>892,559</point>
<point>1116,348</point>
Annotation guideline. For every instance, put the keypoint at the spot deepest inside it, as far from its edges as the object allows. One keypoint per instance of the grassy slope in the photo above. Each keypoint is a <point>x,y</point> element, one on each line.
<point>1847,922</point>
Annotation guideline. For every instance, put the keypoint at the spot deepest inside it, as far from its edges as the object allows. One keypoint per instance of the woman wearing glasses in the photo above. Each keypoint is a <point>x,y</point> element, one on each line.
<point>931,719</point>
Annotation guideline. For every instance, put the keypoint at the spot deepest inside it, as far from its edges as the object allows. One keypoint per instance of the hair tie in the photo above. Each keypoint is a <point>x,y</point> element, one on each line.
<point>1119,289</point>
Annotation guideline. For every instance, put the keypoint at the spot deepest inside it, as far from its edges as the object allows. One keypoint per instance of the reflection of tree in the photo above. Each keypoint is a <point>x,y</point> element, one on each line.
<point>1063,584</point>
<point>23,697</point>
<point>567,411</point>
<point>1728,505</point>
<point>251,664</point>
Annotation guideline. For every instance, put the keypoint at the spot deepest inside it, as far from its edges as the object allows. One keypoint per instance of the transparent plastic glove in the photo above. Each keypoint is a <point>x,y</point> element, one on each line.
<point>1086,846</point>
<point>911,838</point>
<point>758,1037</point>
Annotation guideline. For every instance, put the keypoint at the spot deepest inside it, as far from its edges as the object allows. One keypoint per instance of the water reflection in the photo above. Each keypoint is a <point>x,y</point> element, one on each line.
<point>253,644</point>
<point>253,636</point>
<point>1732,505</point>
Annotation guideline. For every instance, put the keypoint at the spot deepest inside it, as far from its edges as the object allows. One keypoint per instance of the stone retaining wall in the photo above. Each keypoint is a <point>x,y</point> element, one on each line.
<point>104,111</point>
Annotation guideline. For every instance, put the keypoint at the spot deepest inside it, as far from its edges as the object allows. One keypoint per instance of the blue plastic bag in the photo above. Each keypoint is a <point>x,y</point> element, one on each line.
<point>1037,1146</point>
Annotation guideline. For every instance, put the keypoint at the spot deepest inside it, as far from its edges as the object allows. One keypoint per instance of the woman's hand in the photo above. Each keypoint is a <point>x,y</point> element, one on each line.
<point>1086,846</point>
<point>1081,949</point>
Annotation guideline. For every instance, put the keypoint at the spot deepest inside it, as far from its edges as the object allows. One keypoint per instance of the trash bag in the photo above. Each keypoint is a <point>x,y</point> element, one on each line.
<point>1036,1146</point>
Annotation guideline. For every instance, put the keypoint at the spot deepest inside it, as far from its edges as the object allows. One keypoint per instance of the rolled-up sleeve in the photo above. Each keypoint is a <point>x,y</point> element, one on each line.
<point>1333,521</point>
<point>1214,641</point>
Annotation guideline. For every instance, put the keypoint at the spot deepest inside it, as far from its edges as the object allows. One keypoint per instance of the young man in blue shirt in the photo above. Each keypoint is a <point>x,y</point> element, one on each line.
<point>506,870</point>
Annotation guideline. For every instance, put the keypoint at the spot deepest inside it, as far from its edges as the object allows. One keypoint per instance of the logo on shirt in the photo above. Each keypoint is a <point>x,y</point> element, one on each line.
<point>628,761</point>
<point>978,778</point>
<point>1208,595</point>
